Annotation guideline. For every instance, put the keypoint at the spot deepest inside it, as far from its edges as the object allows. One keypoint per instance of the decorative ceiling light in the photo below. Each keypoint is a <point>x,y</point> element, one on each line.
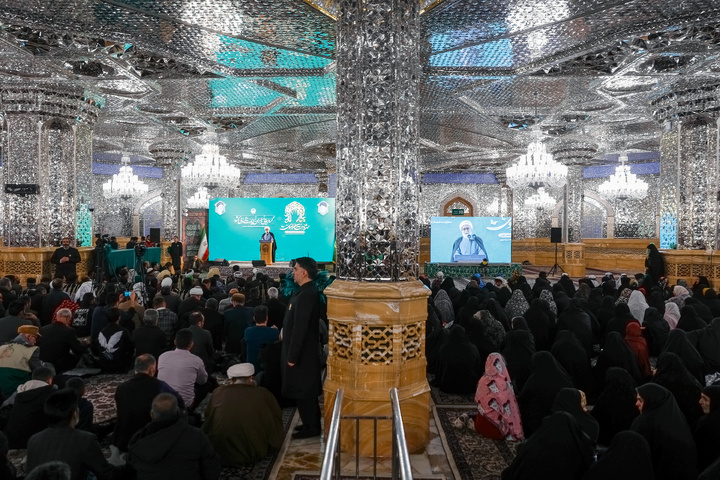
<point>201,199</point>
<point>125,184</point>
<point>536,169</point>
<point>541,199</point>
<point>623,183</point>
<point>210,169</point>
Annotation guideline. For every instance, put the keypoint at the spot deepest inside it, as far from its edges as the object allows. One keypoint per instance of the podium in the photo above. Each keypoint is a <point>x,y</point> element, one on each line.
<point>266,248</point>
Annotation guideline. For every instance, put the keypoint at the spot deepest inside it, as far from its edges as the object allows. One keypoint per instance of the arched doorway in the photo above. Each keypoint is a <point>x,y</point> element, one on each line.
<point>457,203</point>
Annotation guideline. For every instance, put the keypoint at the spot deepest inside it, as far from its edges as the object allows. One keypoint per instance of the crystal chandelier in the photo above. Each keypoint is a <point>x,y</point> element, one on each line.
<point>541,199</point>
<point>125,184</point>
<point>201,199</point>
<point>536,169</point>
<point>210,169</point>
<point>623,184</point>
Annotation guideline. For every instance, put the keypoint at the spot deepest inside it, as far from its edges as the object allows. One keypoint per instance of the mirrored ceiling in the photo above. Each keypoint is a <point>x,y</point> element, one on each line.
<point>594,77</point>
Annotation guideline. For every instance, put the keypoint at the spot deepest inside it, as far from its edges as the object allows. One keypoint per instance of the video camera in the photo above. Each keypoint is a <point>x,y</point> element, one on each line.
<point>140,250</point>
<point>102,240</point>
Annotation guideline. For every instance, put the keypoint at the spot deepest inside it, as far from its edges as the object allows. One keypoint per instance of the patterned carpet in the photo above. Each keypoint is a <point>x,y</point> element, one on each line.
<point>472,456</point>
<point>442,398</point>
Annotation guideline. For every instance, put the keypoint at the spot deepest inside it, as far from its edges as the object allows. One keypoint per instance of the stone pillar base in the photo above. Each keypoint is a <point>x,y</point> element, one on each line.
<point>377,341</point>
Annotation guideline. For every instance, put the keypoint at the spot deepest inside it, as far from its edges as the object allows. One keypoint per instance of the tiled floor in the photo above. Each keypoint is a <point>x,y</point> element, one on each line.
<point>307,455</point>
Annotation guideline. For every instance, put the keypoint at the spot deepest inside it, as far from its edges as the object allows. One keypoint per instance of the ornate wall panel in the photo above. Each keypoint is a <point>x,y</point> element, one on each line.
<point>698,184</point>
<point>634,218</point>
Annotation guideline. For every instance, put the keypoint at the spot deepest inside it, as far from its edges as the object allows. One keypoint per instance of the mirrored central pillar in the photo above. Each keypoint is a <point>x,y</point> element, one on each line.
<point>376,308</point>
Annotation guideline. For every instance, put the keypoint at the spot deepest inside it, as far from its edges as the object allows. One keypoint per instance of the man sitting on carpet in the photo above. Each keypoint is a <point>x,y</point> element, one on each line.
<point>133,400</point>
<point>62,442</point>
<point>167,321</point>
<point>169,448</point>
<point>27,417</point>
<point>59,342</point>
<point>244,435</point>
<point>149,338</point>
<point>184,371</point>
<point>19,358</point>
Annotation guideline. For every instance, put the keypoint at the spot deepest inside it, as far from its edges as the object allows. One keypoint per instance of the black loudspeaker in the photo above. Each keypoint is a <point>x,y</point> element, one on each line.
<point>321,266</point>
<point>555,235</point>
<point>220,262</point>
<point>155,236</point>
<point>258,263</point>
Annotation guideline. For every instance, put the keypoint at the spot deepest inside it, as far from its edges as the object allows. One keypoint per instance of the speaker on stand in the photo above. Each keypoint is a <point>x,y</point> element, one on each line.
<point>555,237</point>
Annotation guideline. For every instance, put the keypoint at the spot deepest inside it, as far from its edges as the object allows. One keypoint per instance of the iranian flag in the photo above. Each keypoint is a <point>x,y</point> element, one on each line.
<point>204,252</point>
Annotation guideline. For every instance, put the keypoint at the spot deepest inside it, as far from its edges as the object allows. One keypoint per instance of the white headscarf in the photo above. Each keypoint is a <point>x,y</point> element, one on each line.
<point>672,314</point>
<point>637,305</point>
<point>86,287</point>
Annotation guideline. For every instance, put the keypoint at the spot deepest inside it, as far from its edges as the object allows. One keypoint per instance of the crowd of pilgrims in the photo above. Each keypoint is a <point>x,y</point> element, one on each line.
<point>610,379</point>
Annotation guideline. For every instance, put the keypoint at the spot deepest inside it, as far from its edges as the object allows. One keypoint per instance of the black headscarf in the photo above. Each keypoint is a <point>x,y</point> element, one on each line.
<point>707,342</point>
<point>616,353</point>
<point>618,324</point>
<point>568,285</point>
<point>546,379</point>
<point>656,300</point>
<point>627,458</point>
<point>562,300</point>
<point>707,430</point>
<point>689,319</point>
<point>570,400</point>
<point>559,450</point>
<point>541,326</point>
<point>518,352</point>
<point>471,307</point>
<point>672,374</point>
<point>711,300</point>
<point>459,364</point>
<point>615,407</point>
<point>595,301</point>
<point>486,333</point>
<point>679,344</point>
<point>493,306</point>
<point>700,308</point>
<point>578,321</point>
<point>606,313</point>
<point>656,330</point>
<point>573,357</point>
<point>664,427</point>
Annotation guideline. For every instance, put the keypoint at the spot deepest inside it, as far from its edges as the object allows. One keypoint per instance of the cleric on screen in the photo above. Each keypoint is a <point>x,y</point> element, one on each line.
<point>468,247</point>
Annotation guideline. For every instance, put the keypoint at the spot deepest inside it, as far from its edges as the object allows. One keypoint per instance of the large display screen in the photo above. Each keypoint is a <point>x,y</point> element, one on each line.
<point>470,239</point>
<point>303,227</point>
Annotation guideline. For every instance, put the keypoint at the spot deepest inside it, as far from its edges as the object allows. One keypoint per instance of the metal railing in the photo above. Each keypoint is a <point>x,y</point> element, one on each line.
<point>401,469</point>
<point>400,457</point>
<point>331,461</point>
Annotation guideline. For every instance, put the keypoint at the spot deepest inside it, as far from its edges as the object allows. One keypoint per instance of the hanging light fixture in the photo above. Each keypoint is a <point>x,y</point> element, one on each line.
<point>536,169</point>
<point>210,169</point>
<point>124,184</point>
<point>201,199</point>
<point>541,199</point>
<point>623,184</point>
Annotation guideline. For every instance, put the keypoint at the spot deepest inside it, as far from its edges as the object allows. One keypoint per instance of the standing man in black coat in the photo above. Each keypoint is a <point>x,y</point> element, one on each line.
<point>65,257</point>
<point>176,251</point>
<point>301,346</point>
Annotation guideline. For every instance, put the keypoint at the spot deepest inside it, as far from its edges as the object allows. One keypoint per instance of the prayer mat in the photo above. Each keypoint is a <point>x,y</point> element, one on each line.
<point>442,398</point>
<point>472,456</point>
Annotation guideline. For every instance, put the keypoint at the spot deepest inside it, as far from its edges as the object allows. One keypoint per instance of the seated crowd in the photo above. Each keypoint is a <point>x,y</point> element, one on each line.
<point>616,379</point>
<point>168,335</point>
